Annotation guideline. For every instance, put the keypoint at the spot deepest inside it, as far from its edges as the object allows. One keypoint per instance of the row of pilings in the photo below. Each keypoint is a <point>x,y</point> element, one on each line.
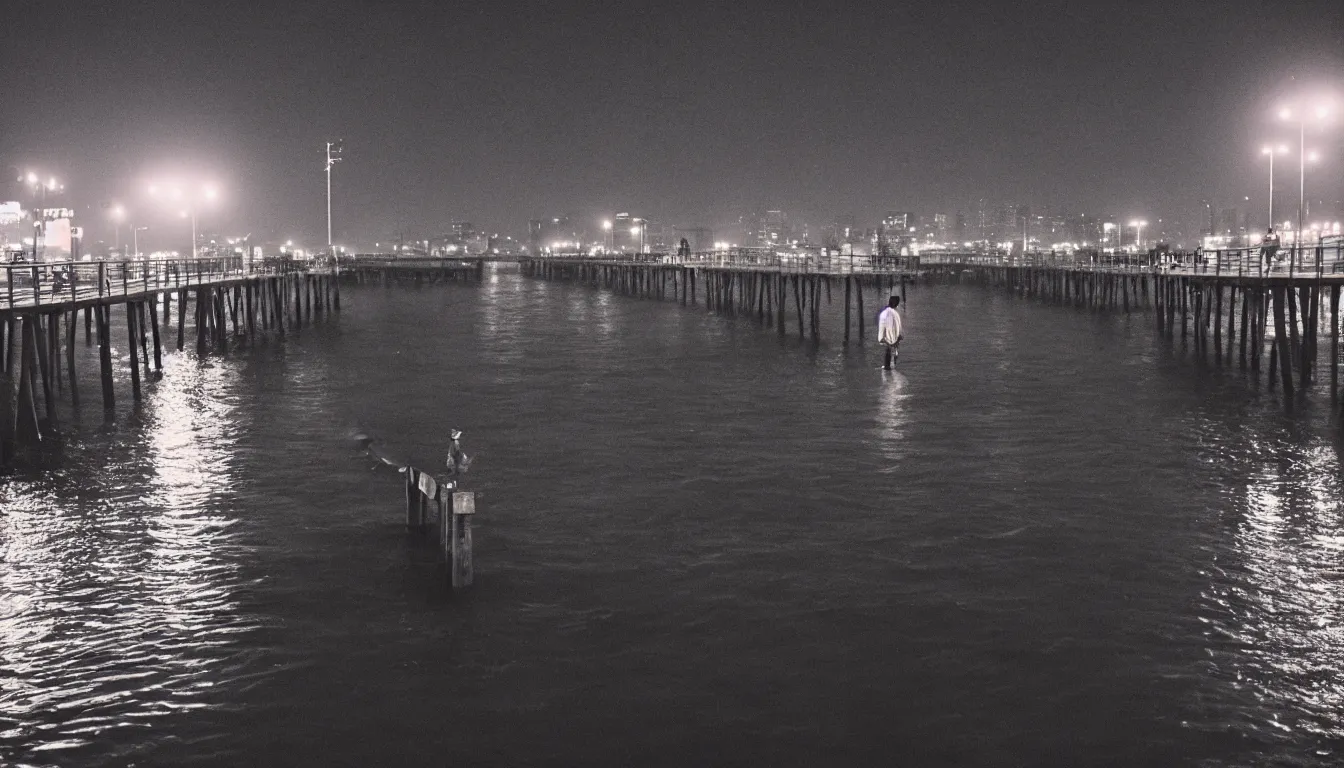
<point>1233,320</point>
<point>771,297</point>
<point>414,271</point>
<point>37,344</point>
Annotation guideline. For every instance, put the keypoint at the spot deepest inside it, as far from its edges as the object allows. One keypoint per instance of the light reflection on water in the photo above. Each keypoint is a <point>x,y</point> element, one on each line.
<point>118,599</point>
<point>1276,605</point>
<point>1042,539</point>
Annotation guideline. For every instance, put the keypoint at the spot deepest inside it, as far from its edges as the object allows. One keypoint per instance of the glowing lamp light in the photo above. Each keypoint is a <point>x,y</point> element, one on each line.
<point>606,225</point>
<point>634,230</point>
<point>32,177</point>
<point>1285,114</point>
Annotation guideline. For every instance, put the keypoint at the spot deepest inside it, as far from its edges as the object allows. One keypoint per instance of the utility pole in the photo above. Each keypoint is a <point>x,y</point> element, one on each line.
<point>333,157</point>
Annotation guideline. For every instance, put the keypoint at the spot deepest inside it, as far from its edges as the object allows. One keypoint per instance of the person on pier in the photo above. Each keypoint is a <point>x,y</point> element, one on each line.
<point>458,462</point>
<point>889,331</point>
<point>1269,246</point>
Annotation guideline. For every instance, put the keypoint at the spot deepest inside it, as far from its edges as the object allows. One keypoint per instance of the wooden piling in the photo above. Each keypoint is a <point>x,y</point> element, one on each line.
<point>103,322</point>
<point>134,352</point>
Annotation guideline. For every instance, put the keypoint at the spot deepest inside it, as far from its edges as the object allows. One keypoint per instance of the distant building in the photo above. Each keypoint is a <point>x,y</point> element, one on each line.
<point>774,228</point>
<point>630,234</point>
<point>556,234</point>
<point>462,231</point>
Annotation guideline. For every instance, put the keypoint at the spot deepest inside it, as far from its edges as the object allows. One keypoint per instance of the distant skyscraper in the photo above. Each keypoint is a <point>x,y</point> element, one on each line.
<point>959,227</point>
<point>774,228</point>
<point>462,232</point>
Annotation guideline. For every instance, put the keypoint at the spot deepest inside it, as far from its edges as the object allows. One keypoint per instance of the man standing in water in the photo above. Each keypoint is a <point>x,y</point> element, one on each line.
<point>889,331</point>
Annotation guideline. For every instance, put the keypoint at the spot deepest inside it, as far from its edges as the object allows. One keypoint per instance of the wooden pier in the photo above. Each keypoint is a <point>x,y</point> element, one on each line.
<point>231,297</point>
<point>773,289</point>
<point>388,269</point>
<point>1229,304</point>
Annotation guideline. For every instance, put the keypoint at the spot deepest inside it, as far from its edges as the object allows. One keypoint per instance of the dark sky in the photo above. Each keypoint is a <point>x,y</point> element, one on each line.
<point>686,112</point>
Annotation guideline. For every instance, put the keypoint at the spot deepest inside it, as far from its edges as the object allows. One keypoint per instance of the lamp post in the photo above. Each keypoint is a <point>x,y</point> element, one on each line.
<point>333,157</point>
<point>1300,116</point>
<point>40,188</point>
<point>135,237</point>
<point>118,214</point>
<point>607,237</point>
<point>1271,151</point>
<point>174,194</point>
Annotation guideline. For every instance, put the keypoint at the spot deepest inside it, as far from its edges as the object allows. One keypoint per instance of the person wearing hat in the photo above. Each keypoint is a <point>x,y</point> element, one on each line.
<point>457,460</point>
<point>889,331</point>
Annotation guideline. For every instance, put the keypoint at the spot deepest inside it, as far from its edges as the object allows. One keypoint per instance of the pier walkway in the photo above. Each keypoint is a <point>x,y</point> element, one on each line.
<point>1229,303</point>
<point>40,306</point>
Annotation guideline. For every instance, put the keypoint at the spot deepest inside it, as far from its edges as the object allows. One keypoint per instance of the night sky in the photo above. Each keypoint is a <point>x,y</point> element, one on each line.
<point>685,112</point>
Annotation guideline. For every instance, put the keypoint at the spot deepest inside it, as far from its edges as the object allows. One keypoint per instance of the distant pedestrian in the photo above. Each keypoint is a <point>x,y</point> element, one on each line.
<point>889,331</point>
<point>457,461</point>
<point>1269,246</point>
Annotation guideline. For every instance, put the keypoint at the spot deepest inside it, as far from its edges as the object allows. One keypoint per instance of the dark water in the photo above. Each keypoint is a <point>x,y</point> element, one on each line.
<point>1050,539</point>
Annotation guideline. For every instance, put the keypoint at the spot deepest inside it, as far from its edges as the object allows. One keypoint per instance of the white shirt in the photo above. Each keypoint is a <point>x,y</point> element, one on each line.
<point>889,326</point>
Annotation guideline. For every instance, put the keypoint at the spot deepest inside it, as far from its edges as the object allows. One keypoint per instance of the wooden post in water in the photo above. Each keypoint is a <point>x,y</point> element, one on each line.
<point>140,328</point>
<point>135,353</point>
<point>1335,340</point>
<point>26,425</point>
<point>464,508</point>
<point>415,520</point>
<point>154,326</point>
<point>105,354</point>
<point>862,319</point>
<point>71,323</point>
<point>44,365</point>
<point>1281,342</point>
<point>848,285</point>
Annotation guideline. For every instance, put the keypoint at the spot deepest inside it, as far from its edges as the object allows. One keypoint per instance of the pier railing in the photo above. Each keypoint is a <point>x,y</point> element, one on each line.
<point>41,283</point>
<point>1324,259</point>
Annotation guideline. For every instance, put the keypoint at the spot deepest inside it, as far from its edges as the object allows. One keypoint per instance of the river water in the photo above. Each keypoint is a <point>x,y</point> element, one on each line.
<point>1049,538</point>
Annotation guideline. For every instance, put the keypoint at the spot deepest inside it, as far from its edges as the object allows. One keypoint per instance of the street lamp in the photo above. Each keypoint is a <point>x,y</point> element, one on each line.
<point>1300,116</point>
<point>118,215</point>
<point>207,193</point>
<point>43,188</point>
<point>1271,151</point>
<point>333,157</point>
<point>135,238</point>
<point>608,242</point>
